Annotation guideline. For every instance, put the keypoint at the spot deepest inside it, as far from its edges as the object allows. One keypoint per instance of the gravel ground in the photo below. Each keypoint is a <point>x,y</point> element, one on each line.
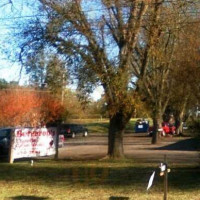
<point>136,146</point>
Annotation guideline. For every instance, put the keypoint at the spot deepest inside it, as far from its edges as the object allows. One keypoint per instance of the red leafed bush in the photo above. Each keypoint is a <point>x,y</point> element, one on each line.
<point>27,108</point>
<point>51,109</point>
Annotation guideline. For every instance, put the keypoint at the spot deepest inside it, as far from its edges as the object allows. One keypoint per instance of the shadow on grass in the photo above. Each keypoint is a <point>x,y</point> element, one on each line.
<point>104,126</point>
<point>101,124</point>
<point>119,198</point>
<point>28,198</point>
<point>191,144</point>
<point>101,127</point>
<point>95,174</point>
<point>88,143</point>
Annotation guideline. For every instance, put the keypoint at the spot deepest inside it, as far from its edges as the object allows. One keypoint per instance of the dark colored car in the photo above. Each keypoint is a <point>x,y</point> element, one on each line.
<point>5,134</point>
<point>72,130</point>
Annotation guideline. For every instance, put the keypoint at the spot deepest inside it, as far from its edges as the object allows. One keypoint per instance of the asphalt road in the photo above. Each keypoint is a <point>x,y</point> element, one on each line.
<point>137,147</point>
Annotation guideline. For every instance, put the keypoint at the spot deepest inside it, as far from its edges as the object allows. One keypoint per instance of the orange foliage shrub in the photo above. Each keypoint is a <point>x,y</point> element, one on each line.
<point>51,109</point>
<point>27,108</point>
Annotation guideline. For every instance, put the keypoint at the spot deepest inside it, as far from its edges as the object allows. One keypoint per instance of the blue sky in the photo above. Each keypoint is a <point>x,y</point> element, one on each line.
<point>9,70</point>
<point>9,16</point>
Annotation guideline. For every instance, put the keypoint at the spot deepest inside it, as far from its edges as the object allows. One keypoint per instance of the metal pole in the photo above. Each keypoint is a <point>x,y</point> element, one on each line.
<point>165,179</point>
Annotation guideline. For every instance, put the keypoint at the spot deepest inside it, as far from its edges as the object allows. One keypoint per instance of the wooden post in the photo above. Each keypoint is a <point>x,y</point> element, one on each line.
<point>57,141</point>
<point>165,178</point>
<point>10,156</point>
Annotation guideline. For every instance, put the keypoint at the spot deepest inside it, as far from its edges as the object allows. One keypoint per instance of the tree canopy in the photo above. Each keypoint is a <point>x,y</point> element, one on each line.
<point>124,45</point>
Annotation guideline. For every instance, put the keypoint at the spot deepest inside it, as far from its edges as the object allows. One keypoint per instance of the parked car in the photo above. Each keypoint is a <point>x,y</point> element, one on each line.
<point>167,129</point>
<point>72,130</point>
<point>5,134</point>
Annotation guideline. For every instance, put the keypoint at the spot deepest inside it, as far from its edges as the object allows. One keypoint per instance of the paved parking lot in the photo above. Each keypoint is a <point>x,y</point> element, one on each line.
<point>137,147</point>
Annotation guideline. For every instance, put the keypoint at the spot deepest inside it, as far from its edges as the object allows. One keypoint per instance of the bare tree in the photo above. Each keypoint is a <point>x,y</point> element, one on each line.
<point>186,73</point>
<point>5,3</point>
<point>154,61</point>
<point>87,40</point>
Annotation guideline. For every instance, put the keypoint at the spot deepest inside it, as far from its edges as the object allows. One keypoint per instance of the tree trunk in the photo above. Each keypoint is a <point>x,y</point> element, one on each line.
<point>179,124</point>
<point>157,124</point>
<point>179,121</point>
<point>115,139</point>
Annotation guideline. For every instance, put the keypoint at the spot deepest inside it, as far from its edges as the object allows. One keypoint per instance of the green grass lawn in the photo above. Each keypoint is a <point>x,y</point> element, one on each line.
<point>94,180</point>
<point>94,125</point>
<point>101,125</point>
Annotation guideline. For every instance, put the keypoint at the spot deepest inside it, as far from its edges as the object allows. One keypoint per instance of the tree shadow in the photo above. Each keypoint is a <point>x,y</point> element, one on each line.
<point>191,144</point>
<point>119,198</point>
<point>87,143</point>
<point>103,126</point>
<point>29,198</point>
<point>105,175</point>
